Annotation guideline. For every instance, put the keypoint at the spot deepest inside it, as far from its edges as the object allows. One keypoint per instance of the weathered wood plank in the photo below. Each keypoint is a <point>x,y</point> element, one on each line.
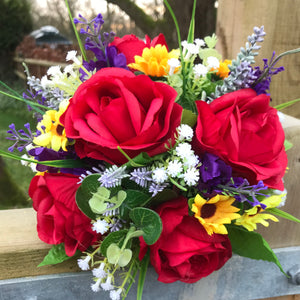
<point>281,19</point>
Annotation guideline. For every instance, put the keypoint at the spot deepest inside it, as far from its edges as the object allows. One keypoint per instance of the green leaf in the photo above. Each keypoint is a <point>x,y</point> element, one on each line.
<point>134,198</point>
<point>251,244</point>
<point>149,222</point>
<point>140,160</point>
<point>286,104</point>
<point>56,255</point>
<point>283,214</point>
<point>287,145</point>
<point>191,34</point>
<point>85,192</point>
<point>142,276</point>
<point>211,41</point>
<point>164,196</point>
<point>116,237</point>
<point>189,118</point>
<point>117,256</point>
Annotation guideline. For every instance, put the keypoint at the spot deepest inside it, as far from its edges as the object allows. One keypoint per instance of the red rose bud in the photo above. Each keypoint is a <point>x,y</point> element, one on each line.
<point>115,108</point>
<point>244,131</point>
<point>130,45</point>
<point>59,220</point>
<point>184,250</point>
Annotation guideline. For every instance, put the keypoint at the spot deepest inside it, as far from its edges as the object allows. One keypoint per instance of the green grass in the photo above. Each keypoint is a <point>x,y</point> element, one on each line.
<point>14,178</point>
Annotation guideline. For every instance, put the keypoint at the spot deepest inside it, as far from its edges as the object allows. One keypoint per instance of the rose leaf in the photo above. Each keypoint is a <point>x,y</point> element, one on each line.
<point>251,244</point>
<point>149,222</point>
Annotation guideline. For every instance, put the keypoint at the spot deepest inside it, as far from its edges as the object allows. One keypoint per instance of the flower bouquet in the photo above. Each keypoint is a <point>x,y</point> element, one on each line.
<point>149,155</point>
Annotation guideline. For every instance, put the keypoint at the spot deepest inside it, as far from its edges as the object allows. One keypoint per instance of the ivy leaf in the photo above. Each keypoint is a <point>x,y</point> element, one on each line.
<point>252,245</point>
<point>116,237</point>
<point>149,222</point>
<point>134,199</point>
<point>56,255</point>
<point>85,192</point>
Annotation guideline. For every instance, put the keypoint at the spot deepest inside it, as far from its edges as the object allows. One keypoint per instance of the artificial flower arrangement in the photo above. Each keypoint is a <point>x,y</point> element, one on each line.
<point>143,155</point>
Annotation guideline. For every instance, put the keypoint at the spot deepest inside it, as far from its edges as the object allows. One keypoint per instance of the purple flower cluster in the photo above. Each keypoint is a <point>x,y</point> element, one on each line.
<point>262,84</point>
<point>216,177</point>
<point>106,55</point>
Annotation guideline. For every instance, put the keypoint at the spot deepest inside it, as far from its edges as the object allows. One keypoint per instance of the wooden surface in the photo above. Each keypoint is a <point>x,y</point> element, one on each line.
<point>281,19</point>
<point>289,297</point>
<point>20,248</point>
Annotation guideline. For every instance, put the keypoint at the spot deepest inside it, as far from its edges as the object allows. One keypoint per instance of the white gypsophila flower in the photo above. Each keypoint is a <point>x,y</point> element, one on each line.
<point>115,294</point>
<point>212,63</point>
<point>83,264</point>
<point>24,162</point>
<point>33,167</point>
<point>54,71</point>
<point>185,132</point>
<point>200,43</point>
<point>96,286</point>
<point>99,272</point>
<point>184,150</point>
<point>69,69</point>
<point>100,226</point>
<point>191,176</point>
<point>159,175</point>
<point>200,70</point>
<point>174,168</point>
<point>191,49</point>
<point>71,55</point>
<point>107,286</point>
<point>173,63</point>
<point>191,161</point>
<point>45,82</point>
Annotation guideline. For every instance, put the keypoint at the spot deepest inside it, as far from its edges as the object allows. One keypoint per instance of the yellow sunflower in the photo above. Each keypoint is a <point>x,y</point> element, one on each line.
<point>154,61</point>
<point>257,214</point>
<point>214,213</point>
<point>52,131</point>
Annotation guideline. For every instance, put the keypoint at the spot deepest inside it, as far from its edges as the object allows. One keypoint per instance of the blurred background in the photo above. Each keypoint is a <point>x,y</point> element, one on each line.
<point>39,32</point>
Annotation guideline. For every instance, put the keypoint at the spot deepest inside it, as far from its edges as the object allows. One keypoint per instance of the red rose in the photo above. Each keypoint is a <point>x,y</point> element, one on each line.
<point>59,220</point>
<point>116,108</point>
<point>130,45</point>
<point>244,130</point>
<point>184,250</point>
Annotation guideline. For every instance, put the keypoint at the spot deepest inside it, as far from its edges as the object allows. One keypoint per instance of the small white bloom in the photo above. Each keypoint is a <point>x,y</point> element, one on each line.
<point>24,162</point>
<point>54,71</point>
<point>212,63</point>
<point>72,56</point>
<point>107,286</point>
<point>99,272</point>
<point>191,49</point>
<point>96,286</point>
<point>45,82</point>
<point>200,70</point>
<point>191,176</point>
<point>83,264</point>
<point>191,161</point>
<point>159,175</point>
<point>33,167</point>
<point>174,168</point>
<point>173,63</point>
<point>100,226</point>
<point>184,150</point>
<point>69,69</point>
<point>115,295</point>
<point>200,43</point>
<point>185,132</point>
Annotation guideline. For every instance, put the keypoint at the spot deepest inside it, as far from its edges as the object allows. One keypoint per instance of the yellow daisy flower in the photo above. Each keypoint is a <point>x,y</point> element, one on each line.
<point>256,214</point>
<point>223,70</point>
<point>154,61</point>
<point>52,131</point>
<point>214,213</point>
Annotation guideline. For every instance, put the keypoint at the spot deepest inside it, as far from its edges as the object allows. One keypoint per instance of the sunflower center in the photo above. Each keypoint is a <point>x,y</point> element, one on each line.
<point>59,129</point>
<point>208,210</point>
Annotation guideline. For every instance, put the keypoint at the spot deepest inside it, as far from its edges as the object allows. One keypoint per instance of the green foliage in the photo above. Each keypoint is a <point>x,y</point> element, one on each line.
<point>56,255</point>
<point>15,22</point>
<point>282,214</point>
<point>149,222</point>
<point>142,276</point>
<point>116,237</point>
<point>251,244</point>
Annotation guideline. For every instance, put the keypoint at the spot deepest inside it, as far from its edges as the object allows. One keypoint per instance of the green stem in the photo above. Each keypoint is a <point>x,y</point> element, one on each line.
<point>128,158</point>
<point>177,184</point>
<point>75,31</point>
<point>10,89</point>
